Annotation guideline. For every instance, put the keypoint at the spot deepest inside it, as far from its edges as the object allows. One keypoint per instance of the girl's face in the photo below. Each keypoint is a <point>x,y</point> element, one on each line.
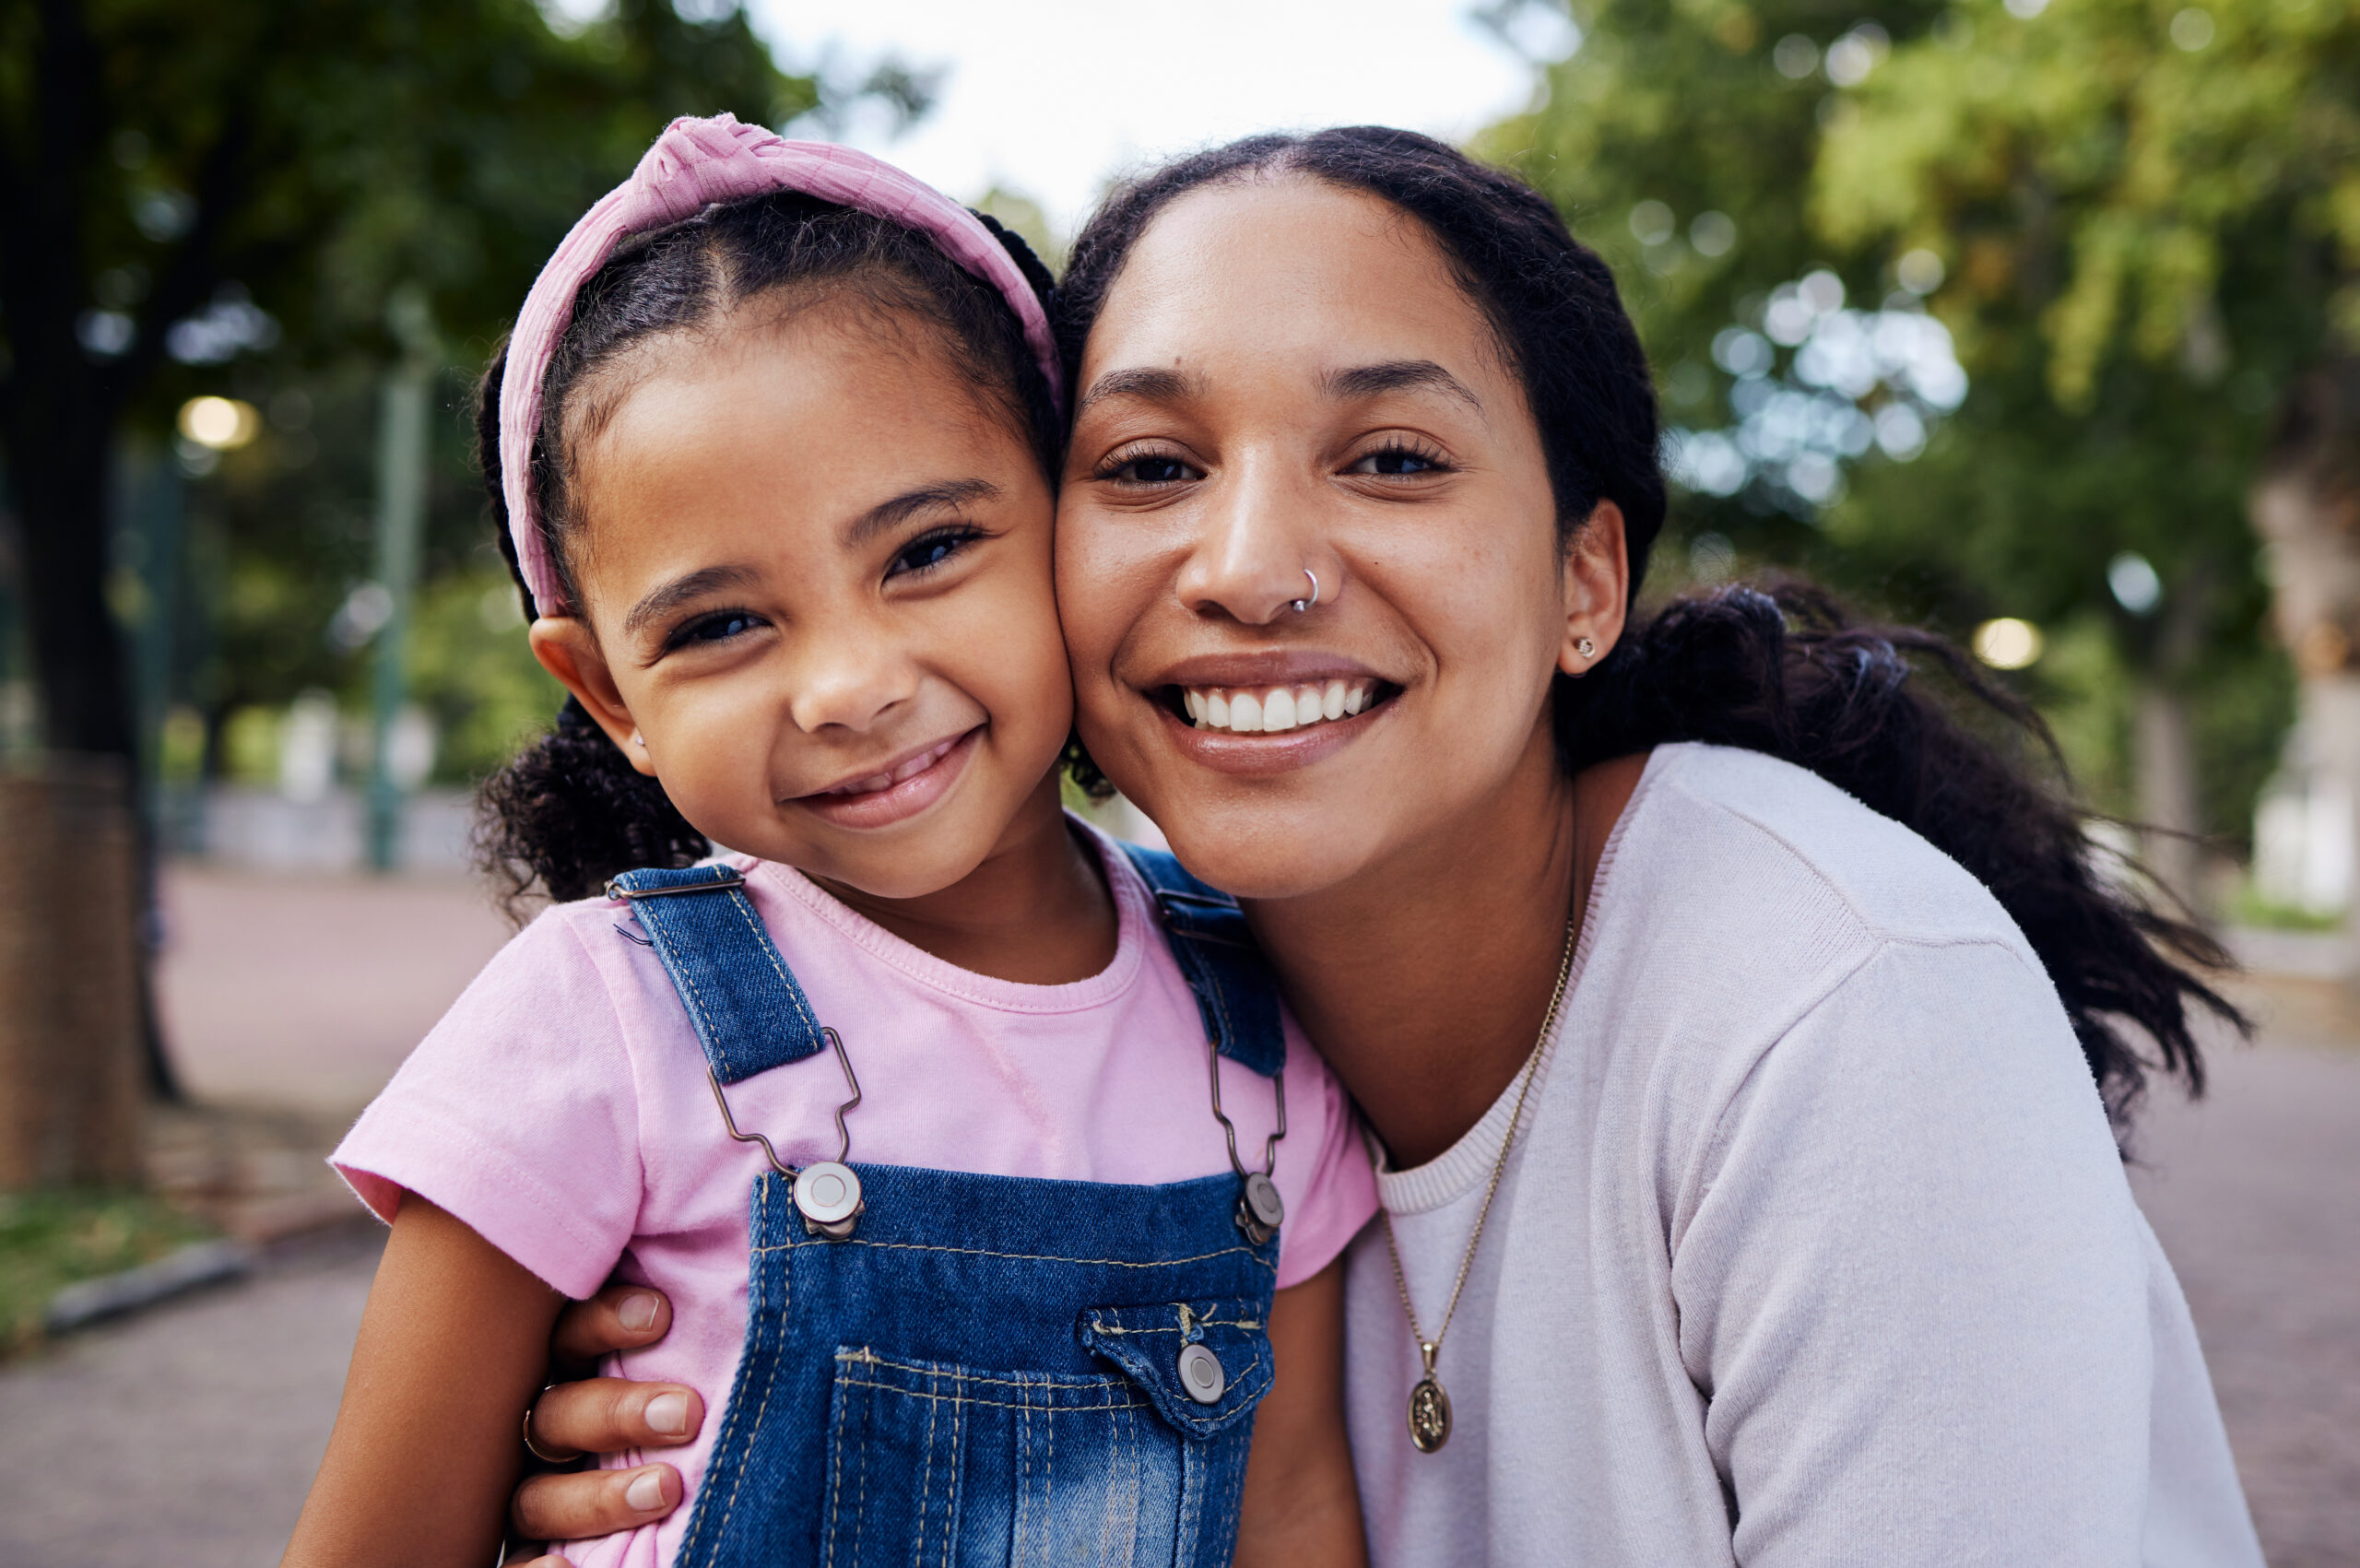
<point>1286,376</point>
<point>817,574</point>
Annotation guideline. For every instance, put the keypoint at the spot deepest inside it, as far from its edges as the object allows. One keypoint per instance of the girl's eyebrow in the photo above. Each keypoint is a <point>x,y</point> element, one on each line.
<point>909,504</point>
<point>666,597</point>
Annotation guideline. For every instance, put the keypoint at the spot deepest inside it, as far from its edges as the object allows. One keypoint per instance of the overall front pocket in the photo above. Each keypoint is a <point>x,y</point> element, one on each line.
<point>943,1466</point>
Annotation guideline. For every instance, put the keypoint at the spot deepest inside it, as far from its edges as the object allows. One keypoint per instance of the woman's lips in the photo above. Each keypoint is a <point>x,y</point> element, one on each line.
<point>1228,748</point>
<point>896,793</point>
<point>1273,710</point>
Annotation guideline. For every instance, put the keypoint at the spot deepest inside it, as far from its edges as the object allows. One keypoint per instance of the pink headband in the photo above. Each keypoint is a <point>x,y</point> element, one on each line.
<point>696,162</point>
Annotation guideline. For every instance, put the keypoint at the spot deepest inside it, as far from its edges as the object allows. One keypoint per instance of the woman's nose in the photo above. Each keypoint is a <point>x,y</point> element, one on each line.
<point>1259,550</point>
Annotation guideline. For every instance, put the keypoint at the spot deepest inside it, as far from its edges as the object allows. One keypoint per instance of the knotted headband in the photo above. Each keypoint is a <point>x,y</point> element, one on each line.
<point>694,163</point>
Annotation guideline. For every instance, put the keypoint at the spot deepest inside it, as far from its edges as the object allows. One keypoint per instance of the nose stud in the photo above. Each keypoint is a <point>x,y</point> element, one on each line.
<point>1299,606</point>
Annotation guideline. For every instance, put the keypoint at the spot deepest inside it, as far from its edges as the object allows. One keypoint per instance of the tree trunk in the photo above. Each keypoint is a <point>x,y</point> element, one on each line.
<point>70,973</point>
<point>2306,506</point>
<point>2164,749</point>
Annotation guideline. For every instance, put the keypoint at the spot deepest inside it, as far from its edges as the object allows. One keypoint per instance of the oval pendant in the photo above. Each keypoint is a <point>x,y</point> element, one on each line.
<point>1429,1414</point>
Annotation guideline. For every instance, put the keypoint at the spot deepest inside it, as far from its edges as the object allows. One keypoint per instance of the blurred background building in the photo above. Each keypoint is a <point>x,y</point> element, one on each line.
<point>2037,320</point>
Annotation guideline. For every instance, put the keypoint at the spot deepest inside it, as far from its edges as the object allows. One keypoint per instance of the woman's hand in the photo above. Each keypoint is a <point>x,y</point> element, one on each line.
<point>604,1415</point>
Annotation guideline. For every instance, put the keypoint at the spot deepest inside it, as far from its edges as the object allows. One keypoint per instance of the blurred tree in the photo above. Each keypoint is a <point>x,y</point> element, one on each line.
<point>2149,217</point>
<point>185,187</point>
<point>2126,234</point>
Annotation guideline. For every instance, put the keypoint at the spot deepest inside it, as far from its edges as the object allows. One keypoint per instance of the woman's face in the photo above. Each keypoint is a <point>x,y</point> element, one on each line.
<point>1287,378</point>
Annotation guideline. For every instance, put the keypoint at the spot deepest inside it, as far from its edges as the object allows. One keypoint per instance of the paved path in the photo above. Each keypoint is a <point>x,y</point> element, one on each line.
<point>2255,1192</point>
<point>188,1436</point>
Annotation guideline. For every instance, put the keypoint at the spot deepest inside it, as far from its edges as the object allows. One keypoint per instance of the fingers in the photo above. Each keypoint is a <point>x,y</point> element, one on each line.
<point>606,1415</point>
<point>588,1504</point>
<point>621,1317</point>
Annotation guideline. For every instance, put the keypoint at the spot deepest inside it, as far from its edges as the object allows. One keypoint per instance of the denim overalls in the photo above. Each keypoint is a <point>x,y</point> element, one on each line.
<point>952,1369</point>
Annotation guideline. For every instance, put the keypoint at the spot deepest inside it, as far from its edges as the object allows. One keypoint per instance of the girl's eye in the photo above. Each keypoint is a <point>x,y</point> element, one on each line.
<point>1151,468</point>
<point>719,626</point>
<point>1398,462</point>
<point>931,551</point>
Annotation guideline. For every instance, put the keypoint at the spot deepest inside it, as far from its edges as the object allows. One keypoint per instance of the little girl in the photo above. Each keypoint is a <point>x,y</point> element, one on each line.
<point>960,1135</point>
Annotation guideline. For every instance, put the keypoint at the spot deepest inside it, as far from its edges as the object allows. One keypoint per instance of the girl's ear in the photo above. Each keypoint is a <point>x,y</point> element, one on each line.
<point>1597,587</point>
<point>568,651</point>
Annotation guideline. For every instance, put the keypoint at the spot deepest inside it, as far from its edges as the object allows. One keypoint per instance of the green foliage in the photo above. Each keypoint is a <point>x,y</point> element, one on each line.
<point>2147,216</point>
<point>48,1240</point>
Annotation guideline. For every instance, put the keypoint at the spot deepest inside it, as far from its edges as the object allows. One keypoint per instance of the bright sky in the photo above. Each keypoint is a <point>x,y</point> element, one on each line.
<point>1051,98</point>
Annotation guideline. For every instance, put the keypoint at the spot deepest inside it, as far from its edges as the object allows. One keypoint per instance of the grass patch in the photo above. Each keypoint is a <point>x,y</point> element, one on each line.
<point>48,1240</point>
<point>2251,908</point>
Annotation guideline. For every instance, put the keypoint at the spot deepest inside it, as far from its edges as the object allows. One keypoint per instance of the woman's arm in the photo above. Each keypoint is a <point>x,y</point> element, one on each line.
<point>1302,1507</point>
<point>426,1444</point>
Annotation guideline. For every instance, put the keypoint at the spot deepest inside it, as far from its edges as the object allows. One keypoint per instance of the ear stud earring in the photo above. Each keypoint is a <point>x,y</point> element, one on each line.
<point>639,740</point>
<point>1585,648</point>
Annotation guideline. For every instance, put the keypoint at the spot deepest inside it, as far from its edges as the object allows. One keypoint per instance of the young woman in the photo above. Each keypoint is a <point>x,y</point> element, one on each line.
<point>1746,1039</point>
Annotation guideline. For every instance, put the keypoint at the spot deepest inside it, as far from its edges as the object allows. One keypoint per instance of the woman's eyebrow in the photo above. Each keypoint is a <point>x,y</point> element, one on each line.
<point>885,514</point>
<point>1155,384</point>
<point>1396,375</point>
<point>666,597</point>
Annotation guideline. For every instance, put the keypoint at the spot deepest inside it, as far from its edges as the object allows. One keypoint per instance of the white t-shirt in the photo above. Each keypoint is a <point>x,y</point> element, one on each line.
<point>1815,1247</point>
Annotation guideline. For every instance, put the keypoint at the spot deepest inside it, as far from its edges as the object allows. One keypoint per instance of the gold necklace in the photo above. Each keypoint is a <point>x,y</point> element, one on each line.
<point>1429,1405</point>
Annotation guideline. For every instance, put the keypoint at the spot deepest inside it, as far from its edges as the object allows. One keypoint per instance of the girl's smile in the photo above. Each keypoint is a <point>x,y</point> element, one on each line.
<point>898,792</point>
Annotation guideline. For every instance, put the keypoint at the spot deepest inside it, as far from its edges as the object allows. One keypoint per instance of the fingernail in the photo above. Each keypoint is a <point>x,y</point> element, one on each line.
<point>668,1413</point>
<point>646,1491</point>
<point>637,1312</point>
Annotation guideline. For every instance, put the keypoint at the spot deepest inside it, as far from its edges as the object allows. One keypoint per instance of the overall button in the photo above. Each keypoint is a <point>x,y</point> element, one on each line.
<point>1262,1198</point>
<point>827,1195</point>
<point>1201,1374</point>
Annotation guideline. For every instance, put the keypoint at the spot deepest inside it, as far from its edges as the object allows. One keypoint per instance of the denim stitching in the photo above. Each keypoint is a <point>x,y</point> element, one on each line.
<point>988,1404</point>
<point>925,1485</point>
<point>770,1375</point>
<point>1027,1258</point>
<point>1024,1475</point>
<point>867,1357</point>
<point>745,908</point>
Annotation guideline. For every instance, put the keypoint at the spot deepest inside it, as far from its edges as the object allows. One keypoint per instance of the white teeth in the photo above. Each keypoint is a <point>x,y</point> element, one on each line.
<point>1274,709</point>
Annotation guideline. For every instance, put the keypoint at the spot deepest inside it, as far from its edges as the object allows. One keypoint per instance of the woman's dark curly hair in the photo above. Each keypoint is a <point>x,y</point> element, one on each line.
<point>1785,672</point>
<point>570,811</point>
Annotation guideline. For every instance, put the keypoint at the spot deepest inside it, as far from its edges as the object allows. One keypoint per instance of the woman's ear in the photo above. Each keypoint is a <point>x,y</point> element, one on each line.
<point>1598,589</point>
<point>568,651</point>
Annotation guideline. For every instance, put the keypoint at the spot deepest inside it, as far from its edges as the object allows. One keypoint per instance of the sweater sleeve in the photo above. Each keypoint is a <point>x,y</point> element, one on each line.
<point>1911,1281</point>
<point>518,1114</point>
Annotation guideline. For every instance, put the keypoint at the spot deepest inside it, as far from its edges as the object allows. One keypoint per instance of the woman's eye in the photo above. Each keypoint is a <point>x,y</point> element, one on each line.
<point>932,551</point>
<point>1397,461</point>
<point>1152,468</point>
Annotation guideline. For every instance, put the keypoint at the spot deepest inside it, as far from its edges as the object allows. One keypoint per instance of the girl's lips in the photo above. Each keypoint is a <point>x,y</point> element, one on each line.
<point>898,792</point>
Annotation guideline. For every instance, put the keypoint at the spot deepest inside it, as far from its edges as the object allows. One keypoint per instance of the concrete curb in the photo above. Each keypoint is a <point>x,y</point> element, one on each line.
<point>111,1295</point>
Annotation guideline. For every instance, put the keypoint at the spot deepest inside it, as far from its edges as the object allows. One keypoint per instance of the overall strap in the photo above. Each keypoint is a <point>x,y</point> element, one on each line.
<point>1233,985</point>
<point>750,1013</point>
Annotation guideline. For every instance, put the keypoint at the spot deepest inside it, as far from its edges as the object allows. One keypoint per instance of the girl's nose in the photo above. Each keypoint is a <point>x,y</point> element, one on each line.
<point>850,675</point>
<point>1260,550</point>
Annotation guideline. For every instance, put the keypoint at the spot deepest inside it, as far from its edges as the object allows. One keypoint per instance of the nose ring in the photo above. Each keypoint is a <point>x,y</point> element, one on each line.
<point>1299,606</point>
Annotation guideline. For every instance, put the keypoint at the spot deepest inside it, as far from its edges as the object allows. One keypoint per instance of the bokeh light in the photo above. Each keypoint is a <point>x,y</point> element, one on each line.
<point>2008,643</point>
<point>222,424</point>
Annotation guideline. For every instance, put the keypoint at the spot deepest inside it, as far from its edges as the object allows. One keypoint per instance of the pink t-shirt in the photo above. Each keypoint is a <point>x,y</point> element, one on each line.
<point>561,1108</point>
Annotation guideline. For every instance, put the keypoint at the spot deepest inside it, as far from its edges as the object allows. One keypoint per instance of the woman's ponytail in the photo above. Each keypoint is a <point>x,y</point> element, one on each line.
<point>1788,673</point>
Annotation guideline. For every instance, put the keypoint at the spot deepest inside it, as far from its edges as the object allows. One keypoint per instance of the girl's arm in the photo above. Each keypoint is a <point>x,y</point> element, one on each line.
<point>1302,1507</point>
<point>427,1443</point>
